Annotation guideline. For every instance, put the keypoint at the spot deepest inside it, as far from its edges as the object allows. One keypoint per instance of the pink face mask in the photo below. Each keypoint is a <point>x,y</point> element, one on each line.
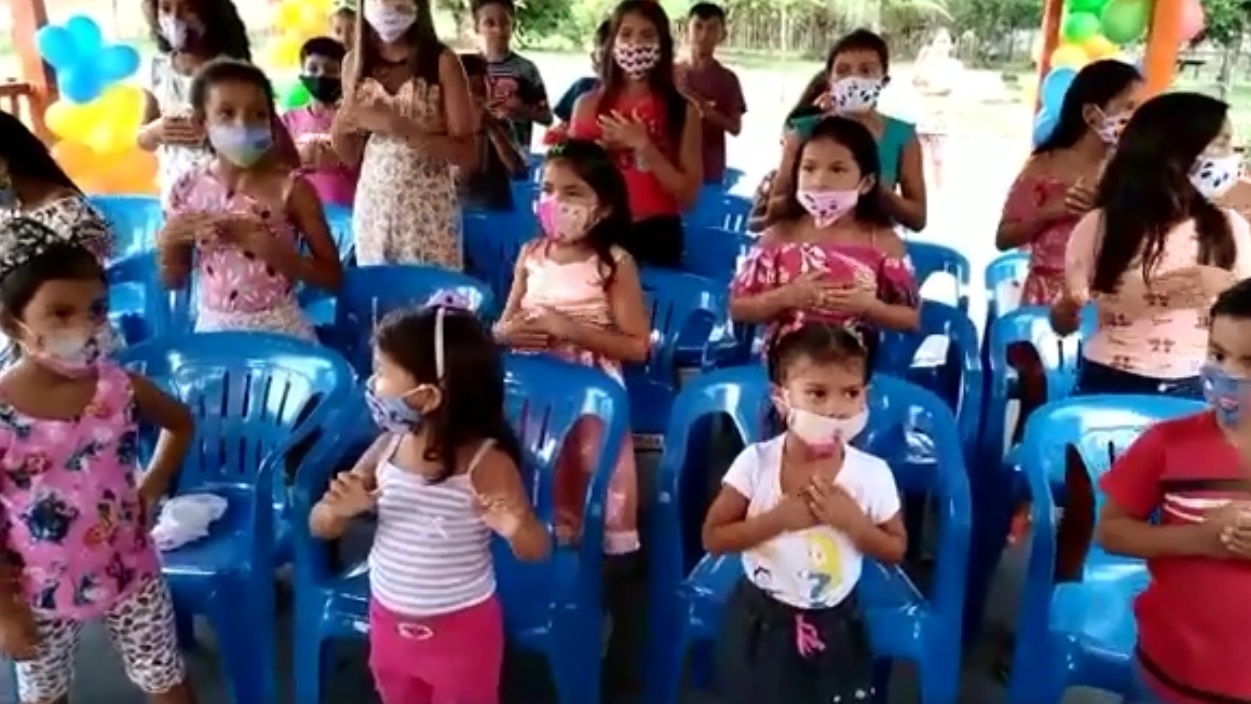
<point>563,221</point>
<point>826,207</point>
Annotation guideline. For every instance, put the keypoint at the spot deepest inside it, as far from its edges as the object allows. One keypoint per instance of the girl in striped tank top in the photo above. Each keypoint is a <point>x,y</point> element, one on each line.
<point>442,478</point>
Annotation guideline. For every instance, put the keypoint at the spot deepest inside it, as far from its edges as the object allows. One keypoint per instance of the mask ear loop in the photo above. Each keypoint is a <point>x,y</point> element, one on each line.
<point>439,314</point>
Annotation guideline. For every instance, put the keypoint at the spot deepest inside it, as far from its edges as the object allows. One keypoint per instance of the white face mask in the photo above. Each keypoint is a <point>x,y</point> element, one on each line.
<point>390,21</point>
<point>1213,176</point>
<point>855,94</point>
<point>825,433</point>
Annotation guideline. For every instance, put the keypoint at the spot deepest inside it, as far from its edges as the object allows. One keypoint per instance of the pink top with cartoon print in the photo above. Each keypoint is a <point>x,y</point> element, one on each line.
<point>233,280</point>
<point>72,517</point>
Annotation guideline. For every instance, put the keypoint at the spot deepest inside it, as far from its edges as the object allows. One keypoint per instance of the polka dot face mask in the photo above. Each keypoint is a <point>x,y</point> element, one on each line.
<point>637,60</point>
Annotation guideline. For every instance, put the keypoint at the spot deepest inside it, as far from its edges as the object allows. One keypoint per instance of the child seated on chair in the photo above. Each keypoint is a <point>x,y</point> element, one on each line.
<point>1180,498</point>
<point>804,509</point>
<point>76,546</point>
<point>442,478</point>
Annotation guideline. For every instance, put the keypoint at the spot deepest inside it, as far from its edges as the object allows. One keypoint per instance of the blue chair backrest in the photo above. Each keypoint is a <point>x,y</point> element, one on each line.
<point>929,259</point>
<point>731,178</point>
<point>534,165</point>
<point>493,242</point>
<point>339,218</point>
<point>1031,325</point>
<point>369,293</point>
<point>247,391</point>
<point>1004,278</point>
<point>897,412</point>
<point>716,208</point>
<point>715,252</point>
<point>679,305</point>
<point>135,221</point>
<point>138,304</point>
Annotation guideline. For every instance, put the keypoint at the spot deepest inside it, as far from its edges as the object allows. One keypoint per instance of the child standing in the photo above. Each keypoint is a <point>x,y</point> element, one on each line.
<point>517,91</point>
<point>488,186</point>
<point>805,509</point>
<point>343,23</point>
<point>713,89</point>
<point>76,544</point>
<point>586,84</point>
<point>246,212</point>
<point>442,478</point>
<point>321,60</point>
<point>1177,498</point>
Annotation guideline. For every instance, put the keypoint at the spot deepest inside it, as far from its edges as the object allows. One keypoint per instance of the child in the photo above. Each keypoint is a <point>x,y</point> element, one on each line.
<point>246,212</point>
<point>488,186</point>
<point>1177,498</point>
<point>831,253</point>
<point>804,509</point>
<point>188,34</point>
<point>343,23</point>
<point>712,88</point>
<point>651,130</point>
<point>76,544</point>
<point>517,91</point>
<point>442,478</point>
<point>321,60</point>
<point>586,84</point>
<point>856,72</point>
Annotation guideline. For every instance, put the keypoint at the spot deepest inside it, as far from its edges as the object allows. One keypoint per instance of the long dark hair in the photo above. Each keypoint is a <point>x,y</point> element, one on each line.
<point>27,158</point>
<point>660,80</point>
<point>224,32</point>
<point>472,408</point>
<point>1096,84</point>
<point>425,49</point>
<point>1146,188</point>
<point>819,84</point>
<point>863,147</point>
<point>593,164</point>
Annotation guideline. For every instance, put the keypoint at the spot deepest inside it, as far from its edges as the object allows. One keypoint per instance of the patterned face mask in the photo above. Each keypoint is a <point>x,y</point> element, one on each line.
<point>1213,176</point>
<point>389,20</point>
<point>1224,392</point>
<point>826,207</point>
<point>855,94</point>
<point>636,59</point>
<point>563,220</point>
<point>1110,127</point>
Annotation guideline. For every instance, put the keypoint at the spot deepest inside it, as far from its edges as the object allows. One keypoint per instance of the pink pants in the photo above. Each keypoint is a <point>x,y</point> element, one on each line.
<point>452,658</point>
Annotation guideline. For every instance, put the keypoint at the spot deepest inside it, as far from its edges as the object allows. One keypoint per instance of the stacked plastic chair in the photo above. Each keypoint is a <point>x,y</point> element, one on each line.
<point>135,220</point>
<point>553,606</point>
<point>686,609</point>
<point>716,208</point>
<point>715,254</point>
<point>493,242</point>
<point>1079,633</point>
<point>929,259</point>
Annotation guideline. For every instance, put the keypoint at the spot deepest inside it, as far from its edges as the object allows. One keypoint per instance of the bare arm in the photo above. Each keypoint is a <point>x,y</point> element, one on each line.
<point>908,205</point>
<point>506,149</point>
<point>346,140</point>
<point>322,268</point>
<point>457,146</point>
<point>496,477</point>
<point>326,523</point>
<point>177,431</point>
<point>727,528</point>
<point>149,136</point>
<point>631,339</point>
<point>1123,533</point>
<point>684,179</point>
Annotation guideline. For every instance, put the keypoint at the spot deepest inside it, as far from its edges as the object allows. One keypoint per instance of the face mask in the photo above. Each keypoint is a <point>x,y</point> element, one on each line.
<point>389,21</point>
<point>826,207</point>
<point>825,433</point>
<point>855,94</point>
<point>636,60</point>
<point>240,145</point>
<point>1213,176</point>
<point>175,31</point>
<point>70,353</point>
<point>1111,126</point>
<point>1224,392</point>
<point>324,89</point>
<point>392,413</point>
<point>562,220</point>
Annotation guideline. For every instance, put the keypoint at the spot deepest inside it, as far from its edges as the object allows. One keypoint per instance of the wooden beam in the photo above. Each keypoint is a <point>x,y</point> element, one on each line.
<point>1163,45</point>
<point>28,17</point>
<point>1053,13</point>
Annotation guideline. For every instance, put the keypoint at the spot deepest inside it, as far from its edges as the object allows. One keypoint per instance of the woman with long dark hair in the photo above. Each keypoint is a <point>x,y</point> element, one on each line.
<point>1156,251</point>
<point>406,119</point>
<point>652,131</point>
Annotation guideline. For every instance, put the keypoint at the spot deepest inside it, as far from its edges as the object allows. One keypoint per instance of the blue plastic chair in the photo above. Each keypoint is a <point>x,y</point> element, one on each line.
<point>716,208</point>
<point>134,219</point>
<point>369,293</point>
<point>1003,279</point>
<point>715,253</point>
<point>138,306</point>
<point>553,606</point>
<point>339,218</point>
<point>1079,633</point>
<point>681,307</point>
<point>686,610</point>
<point>525,194</point>
<point>493,242</point>
<point>731,178</point>
<point>929,259</point>
<point>248,393</point>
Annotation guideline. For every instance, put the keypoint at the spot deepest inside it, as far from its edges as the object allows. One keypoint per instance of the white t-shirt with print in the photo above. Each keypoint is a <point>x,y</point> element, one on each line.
<point>818,567</point>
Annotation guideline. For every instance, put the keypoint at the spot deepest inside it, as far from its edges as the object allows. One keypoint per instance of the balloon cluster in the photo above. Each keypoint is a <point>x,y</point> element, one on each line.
<point>98,115</point>
<point>295,22</point>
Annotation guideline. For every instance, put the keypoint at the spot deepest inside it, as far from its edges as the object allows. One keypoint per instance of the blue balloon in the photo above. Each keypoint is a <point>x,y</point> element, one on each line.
<point>1055,85</point>
<point>1045,124</point>
<point>117,62</point>
<point>57,46</point>
<point>80,84</point>
<point>86,33</point>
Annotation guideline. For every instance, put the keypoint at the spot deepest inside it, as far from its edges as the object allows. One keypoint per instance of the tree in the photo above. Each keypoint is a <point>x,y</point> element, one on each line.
<point>990,20</point>
<point>1227,22</point>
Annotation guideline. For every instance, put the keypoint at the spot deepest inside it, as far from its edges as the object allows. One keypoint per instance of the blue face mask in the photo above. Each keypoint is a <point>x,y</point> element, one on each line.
<point>1224,392</point>
<point>391,413</point>
<point>241,145</point>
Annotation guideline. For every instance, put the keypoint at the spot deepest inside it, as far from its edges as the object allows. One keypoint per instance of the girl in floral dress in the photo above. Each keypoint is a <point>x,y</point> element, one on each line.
<point>833,255</point>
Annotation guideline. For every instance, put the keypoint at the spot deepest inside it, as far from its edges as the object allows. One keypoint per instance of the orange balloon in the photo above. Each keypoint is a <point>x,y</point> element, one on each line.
<point>1070,56</point>
<point>1099,47</point>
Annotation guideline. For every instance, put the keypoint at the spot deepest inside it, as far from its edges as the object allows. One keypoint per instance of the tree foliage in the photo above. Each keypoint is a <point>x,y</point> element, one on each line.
<point>1227,20</point>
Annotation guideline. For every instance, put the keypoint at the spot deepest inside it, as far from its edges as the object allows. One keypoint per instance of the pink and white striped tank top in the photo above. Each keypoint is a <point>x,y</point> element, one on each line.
<point>432,552</point>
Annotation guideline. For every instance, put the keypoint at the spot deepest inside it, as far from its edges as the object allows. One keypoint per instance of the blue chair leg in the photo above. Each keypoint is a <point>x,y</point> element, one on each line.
<point>575,661</point>
<point>246,646</point>
<point>940,678</point>
<point>664,676</point>
<point>308,665</point>
<point>881,680</point>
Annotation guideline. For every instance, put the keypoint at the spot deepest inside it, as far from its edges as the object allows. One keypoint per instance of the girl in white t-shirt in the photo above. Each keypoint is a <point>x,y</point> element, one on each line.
<point>804,508</point>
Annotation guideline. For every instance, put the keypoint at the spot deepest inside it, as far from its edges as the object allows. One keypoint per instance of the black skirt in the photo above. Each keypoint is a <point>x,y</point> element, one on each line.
<point>773,653</point>
<point>656,241</point>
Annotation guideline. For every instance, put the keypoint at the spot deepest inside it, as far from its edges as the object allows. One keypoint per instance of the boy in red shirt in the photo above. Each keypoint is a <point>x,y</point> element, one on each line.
<point>1194,618</point>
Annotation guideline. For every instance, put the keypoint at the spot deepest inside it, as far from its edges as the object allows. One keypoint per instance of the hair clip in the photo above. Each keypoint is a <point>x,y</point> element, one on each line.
<point>787,328</point>
<point>449,299</point>
<point>854,332</point>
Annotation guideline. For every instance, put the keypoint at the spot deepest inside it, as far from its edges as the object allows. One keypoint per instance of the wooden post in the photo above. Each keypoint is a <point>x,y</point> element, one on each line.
<point>1163,45</point>
<point>1053,13</point>
<point>28,17</point>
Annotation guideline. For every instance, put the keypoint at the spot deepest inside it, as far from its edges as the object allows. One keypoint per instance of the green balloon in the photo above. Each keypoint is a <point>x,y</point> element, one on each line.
<point>1080,26</point>
<point>1125,21</point>
<point>1092,6</point>
<point>294,96</point>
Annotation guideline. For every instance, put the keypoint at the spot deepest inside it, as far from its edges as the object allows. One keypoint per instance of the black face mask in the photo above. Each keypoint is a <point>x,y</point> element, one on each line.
<point>323,88</point>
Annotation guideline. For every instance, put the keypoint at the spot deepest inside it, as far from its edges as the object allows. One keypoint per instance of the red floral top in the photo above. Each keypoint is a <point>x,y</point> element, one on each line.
<point>1045,281</point>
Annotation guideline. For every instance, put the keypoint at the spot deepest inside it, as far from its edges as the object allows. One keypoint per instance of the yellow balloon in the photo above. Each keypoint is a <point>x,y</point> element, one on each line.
<point>1099,47</point>
<point>283,52</point>
<point>1070,56</point>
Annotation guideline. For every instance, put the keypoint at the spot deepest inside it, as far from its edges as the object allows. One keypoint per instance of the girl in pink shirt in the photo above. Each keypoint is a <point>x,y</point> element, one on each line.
<point>74,507</point>
<point>246,214</point>
<point>1156,252</point>
<point>652,131</point>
